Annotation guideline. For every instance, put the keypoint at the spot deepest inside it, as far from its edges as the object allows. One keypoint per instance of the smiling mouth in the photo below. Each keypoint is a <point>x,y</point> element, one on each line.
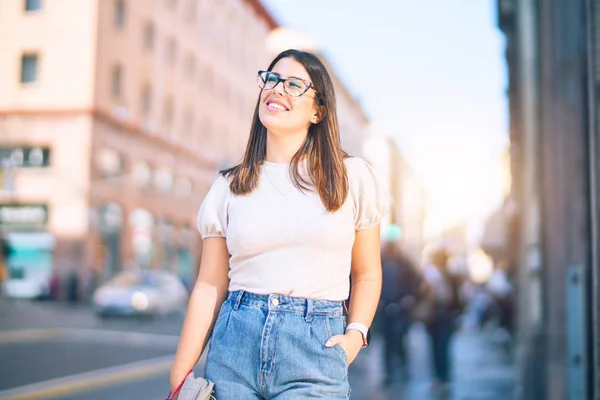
<point>276,107</point>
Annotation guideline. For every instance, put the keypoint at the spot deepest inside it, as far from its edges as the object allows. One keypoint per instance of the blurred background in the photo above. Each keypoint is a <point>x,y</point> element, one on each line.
<point>480,117</point>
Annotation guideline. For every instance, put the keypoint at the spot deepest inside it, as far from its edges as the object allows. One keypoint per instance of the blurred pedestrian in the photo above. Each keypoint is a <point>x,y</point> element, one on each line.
<point>4,249</point>
<point>282,232</point>
<point>500,289</point>
<point>444,293</point>
<point>399,295</point>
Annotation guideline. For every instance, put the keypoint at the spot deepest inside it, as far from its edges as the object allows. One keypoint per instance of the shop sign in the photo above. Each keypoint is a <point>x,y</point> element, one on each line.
<point>23,214</point>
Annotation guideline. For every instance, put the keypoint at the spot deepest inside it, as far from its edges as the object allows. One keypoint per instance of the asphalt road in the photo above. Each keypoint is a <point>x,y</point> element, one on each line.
<point>151,389</point>
<point>57,351</point>
<point>63,351</point>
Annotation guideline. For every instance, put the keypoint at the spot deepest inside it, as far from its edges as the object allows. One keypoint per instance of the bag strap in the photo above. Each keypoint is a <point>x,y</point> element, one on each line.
<point>171,395</point>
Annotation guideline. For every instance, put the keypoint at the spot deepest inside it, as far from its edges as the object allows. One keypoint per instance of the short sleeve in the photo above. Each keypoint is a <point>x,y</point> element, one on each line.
<point>371,199</point>
<point>213,215</point>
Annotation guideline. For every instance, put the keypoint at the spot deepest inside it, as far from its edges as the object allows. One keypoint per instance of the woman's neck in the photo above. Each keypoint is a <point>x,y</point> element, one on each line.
<point>281,149</point>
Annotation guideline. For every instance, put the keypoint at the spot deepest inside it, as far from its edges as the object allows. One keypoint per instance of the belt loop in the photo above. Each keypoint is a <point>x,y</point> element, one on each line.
<point>237,299</point>
<point>309,310</point>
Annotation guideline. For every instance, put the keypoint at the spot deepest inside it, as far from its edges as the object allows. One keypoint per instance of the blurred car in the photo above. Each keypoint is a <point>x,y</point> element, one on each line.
<point>136,292</point>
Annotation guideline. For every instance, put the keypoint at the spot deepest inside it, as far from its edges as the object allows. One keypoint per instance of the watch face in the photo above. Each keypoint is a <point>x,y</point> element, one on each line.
<point>368,337</point>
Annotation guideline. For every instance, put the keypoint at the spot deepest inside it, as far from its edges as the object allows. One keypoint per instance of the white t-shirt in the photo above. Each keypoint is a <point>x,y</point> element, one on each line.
<point>284,241</point>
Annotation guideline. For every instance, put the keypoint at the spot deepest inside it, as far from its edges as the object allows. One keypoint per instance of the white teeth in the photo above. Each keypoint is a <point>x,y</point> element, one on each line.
<point>277,106</point>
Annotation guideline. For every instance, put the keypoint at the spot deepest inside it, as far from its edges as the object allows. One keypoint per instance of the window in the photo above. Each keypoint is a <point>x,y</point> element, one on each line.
<point>225,38</point>
<point>36,157</point>
<point>168,114</point>
<point>142,174</point>
<point>225,90</point>
<point>149,36</point>
<point>208,81</point>
<point>190,12</point>
<point>207,130</point>
<point>189,66</point>
<point>21,157</point>
<point>110,163</point>
<point>29,68</point>
<point>163,179</point>
<point>33,5</point>
<point>188,124</point>
<point>119,13</point>
<point>171,50</point>
<point>116,81</point>
<point>146,100</point>
<point>208,29</point>
<point>215,85</point>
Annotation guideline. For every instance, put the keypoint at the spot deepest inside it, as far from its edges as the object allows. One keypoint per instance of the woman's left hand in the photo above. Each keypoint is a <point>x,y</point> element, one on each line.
<point>351,343</point>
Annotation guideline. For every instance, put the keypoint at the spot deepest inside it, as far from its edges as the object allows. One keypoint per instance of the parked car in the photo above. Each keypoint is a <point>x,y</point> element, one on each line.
<point>141,292</point>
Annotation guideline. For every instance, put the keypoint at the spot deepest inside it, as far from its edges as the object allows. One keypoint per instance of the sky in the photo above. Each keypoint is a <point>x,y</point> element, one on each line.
<point>429,73</point>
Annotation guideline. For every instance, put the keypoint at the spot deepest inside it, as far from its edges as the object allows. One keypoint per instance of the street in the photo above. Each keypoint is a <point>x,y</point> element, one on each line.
<point>60,351</point>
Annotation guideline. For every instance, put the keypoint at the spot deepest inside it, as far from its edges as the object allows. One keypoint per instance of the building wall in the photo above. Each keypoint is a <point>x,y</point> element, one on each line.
<point>409,200</point>
<point>200,71</point>
<point>63,34</point>
<point>187,71</point>
<point>63,187</point>
<point>140,105</point>
<point>409,203</point>
<point>549,64</point>
<point>353,121</point>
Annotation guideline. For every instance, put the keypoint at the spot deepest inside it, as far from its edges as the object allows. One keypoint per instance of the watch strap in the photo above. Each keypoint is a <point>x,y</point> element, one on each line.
<point>362,328</point>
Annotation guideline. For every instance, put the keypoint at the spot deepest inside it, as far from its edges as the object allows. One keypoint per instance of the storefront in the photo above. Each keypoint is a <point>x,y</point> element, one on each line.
<point>166,250</point>
<point>186,266</point>
<point>110,229</point>
<point>29,250</point>
<point>142,238</point>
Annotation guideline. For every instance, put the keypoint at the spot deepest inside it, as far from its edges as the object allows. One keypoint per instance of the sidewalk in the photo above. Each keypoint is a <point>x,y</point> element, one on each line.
<point>482,370</point>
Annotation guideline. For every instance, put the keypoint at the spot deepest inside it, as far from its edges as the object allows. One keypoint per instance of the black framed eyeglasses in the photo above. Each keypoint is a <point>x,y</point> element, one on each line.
<point>295,87</point>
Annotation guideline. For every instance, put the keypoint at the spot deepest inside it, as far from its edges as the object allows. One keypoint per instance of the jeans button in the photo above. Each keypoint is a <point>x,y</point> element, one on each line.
<point>275,302</point>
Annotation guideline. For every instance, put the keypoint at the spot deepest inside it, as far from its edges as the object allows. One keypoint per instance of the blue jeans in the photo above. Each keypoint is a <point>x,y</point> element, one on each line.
<point>273,347</point>
<point>440,332</point>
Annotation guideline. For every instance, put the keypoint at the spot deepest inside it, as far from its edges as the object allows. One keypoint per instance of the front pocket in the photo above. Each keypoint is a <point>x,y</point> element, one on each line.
<point>222,320</point>
<point>342,351</point>
<point>336,326</point>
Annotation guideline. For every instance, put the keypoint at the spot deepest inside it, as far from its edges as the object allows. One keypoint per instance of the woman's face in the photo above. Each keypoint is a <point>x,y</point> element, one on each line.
<point>281,113</point>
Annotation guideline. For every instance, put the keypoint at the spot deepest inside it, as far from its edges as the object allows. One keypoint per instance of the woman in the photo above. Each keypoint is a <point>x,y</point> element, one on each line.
<point>282,231</point>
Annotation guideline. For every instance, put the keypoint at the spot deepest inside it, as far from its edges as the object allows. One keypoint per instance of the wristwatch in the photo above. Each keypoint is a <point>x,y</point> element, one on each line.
<point>363,329</point>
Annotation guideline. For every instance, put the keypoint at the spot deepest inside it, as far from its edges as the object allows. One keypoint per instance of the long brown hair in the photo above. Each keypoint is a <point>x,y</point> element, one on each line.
<point>322,147</point>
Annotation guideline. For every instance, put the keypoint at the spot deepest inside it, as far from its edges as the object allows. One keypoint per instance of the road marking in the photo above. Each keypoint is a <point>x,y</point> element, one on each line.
<point>30,335</point>
<point>90,380</point>
<point>132,338</point>
<point>90,335</point>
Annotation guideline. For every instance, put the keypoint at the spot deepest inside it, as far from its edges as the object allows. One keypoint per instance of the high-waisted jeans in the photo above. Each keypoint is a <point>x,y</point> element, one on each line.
<point>273,347</point>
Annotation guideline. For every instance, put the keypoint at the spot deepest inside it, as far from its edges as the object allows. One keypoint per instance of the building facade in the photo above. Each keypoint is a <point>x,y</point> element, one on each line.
<point>409,199</point>
<point>553,58</point>
<point>114,119</point>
